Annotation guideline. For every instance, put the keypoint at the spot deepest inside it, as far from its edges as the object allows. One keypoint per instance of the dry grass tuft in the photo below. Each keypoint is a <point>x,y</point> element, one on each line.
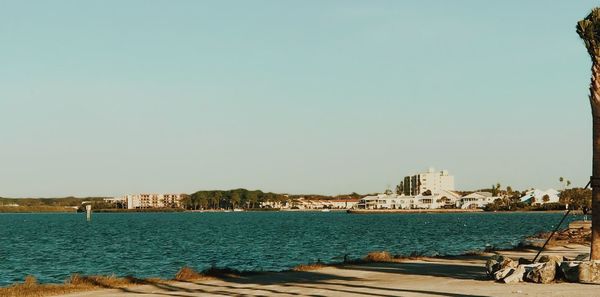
<point>102,281</point>
<point>309,267</point>
<point>75,283</point>
<point>188,274</point>
<point>382,256</point>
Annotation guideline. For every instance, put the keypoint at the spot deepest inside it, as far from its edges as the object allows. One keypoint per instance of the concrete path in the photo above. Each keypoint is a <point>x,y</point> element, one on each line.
<point>461,276</point>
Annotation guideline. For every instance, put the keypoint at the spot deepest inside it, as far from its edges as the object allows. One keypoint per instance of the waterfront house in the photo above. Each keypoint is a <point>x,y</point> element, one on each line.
<point>477,200</point>
<point>443,199</point>
<point>537,196</point>
<point>379,201</point>
<point>342,203</point>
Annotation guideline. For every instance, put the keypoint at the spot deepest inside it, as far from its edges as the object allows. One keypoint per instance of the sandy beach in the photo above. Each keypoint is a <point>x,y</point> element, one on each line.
<point>458,276</point>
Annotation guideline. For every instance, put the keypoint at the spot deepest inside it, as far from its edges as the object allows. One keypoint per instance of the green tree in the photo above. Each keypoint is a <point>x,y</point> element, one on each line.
<point>235,199</point>
<point>546,198</point>
<point>576,197</point>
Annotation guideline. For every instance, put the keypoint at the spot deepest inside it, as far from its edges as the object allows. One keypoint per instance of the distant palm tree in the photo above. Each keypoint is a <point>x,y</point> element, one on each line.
<point>589,30</point>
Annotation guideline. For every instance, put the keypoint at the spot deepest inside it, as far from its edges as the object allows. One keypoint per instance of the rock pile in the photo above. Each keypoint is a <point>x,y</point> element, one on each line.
<point>547,270</point>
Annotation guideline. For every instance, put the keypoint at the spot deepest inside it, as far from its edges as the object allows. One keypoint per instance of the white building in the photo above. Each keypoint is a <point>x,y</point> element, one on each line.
<point>116,200</point>
<point>343,203</point>
<point>431,181</point>
<point>444,199</point>
<point>153,200</point>
<point>537,196</point>
<point>476,200</point>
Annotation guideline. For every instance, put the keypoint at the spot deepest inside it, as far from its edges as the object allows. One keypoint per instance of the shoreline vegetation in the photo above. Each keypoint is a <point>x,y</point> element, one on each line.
<point>37,209</point>
<point>383,211</point>
<point>79,283</point>
<point>256,200</point>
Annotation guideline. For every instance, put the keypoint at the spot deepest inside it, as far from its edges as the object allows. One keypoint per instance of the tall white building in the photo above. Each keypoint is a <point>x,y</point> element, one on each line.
<point>153,200</point>
<point>433,181</point>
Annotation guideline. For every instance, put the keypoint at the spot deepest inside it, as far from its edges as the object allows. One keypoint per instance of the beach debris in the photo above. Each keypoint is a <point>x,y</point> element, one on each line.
<point>498,262</point>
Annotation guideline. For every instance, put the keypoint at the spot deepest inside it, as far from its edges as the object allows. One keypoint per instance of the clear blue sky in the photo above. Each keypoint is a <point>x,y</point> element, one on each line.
<point>114,97</point>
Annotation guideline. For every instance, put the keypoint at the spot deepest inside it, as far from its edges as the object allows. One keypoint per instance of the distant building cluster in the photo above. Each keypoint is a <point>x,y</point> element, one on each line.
<point>302,203</point>
<point>427,190</point>
<point>435,189</point>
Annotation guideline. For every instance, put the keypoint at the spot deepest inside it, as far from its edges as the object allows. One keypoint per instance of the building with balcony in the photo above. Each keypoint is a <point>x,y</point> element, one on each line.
<point>433,182</point>
<point>153,200</point>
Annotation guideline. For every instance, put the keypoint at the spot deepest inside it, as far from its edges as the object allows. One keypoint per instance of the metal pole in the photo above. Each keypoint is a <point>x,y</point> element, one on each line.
<point>547,240</point>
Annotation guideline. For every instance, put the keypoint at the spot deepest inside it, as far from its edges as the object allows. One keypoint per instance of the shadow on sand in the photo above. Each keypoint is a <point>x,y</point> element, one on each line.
<point>314,283</point>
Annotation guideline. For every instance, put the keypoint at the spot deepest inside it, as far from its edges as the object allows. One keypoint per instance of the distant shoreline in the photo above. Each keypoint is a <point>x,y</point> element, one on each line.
<point>22,209</point>
<point>381,211</point>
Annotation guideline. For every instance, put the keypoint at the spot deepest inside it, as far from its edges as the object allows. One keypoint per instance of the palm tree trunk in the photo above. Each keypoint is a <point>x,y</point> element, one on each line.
<point>595,182</point>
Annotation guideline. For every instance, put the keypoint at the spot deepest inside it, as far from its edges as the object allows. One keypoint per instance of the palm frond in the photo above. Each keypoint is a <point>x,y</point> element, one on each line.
<point>589,30</point>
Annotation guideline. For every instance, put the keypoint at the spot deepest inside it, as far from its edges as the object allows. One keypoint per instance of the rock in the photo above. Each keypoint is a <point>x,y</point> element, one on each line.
<point>581,271</point>
<point>551,258</point>
<point>498,262</point>
<point>542,273</point>
<point>583,257</point>
<point>515,275</point>
<point>589,272</point>
<point>502,273</point>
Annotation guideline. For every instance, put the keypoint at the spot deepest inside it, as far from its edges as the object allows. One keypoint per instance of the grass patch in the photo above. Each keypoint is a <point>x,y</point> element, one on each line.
<point>188,274</point>
<point>381,256</point>
<point>76,283</point>
<point>309,267</point>
<point>40,208</point>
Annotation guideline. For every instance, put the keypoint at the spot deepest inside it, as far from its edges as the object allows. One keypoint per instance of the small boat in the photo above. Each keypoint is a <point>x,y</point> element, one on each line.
<point>325,210</point>
<point>238,209</point>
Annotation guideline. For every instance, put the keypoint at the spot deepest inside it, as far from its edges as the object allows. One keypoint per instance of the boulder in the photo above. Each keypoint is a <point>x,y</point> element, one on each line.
<point>589,272</point>
<point>515,275</point>
<point>542,273</point>
<point>502,273</point>
<point>498,262</point>
<point>581,271</point>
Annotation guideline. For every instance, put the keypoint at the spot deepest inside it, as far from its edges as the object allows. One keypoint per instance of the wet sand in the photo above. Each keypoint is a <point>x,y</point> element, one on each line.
<point>458,276</point>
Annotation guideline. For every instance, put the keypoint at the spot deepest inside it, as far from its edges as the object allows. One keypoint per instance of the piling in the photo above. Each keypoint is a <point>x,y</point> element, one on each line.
<point>88,210</point>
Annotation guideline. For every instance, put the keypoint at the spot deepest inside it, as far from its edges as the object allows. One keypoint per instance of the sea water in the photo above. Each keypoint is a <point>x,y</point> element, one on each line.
<point>53,246</point>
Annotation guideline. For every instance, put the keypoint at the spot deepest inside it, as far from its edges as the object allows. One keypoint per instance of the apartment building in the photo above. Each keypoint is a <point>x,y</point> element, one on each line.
<point>431,181</point>
<point>153,200</point>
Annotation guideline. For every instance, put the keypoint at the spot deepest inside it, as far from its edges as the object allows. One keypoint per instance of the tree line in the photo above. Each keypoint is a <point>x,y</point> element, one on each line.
<point>229,199</point>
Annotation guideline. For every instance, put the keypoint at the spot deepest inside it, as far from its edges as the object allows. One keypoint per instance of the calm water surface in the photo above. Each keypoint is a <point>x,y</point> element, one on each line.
<point>52,246</point>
